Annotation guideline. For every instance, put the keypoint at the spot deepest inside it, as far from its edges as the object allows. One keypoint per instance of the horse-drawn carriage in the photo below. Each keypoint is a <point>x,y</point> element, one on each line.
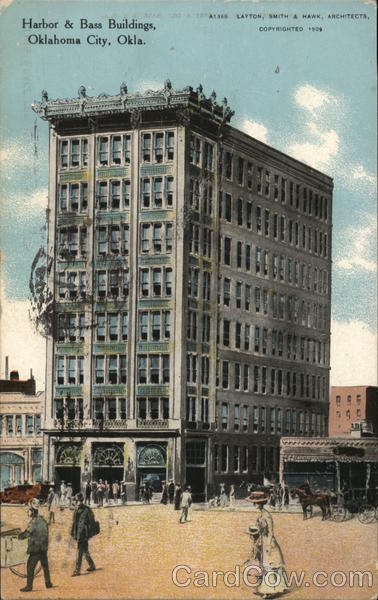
<point>360,501</point>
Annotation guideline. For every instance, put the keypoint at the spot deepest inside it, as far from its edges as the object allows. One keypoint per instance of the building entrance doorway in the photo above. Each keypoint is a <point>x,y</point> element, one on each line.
<point>67,465</point>
<point>151,466</point>
<point>196,468</point>
<point>68,475</point>
<point>108,463</point>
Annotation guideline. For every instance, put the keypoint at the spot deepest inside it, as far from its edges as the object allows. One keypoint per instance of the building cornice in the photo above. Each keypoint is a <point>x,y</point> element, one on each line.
<point>187,100</point>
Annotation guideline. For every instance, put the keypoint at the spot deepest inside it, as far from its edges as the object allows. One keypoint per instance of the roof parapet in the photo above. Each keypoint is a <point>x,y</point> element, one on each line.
<point>152,100</point>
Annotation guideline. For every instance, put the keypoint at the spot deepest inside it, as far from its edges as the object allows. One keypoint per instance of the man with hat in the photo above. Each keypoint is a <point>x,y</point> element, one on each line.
<point>37,533</point>
<point>186,501</point>
<point>82,529</point>
<point>50,502</point>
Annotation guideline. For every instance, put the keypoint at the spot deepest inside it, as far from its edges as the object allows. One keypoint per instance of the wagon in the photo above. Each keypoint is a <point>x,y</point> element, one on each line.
<point>358,501</point>
<point>14,553</point>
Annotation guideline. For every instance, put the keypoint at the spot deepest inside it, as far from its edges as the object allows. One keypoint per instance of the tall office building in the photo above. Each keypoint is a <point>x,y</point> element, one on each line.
<point>191,277</point>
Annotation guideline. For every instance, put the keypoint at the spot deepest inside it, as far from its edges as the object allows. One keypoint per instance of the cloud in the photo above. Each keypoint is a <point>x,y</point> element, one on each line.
<point>360,253</point>
<point>320,143</point>
<point>322,147</point>
<point>359,174</point>
<point>312,99</point>
<point>255,129</point>
<point>18,152</point>
<point>353,354</point>
<point>25,348</point>
<point>25,204</point>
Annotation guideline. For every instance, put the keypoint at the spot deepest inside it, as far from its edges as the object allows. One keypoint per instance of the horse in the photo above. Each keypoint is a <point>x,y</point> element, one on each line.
<point>314,499</point>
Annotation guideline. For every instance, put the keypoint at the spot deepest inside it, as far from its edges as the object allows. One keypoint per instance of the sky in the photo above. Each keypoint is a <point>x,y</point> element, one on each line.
<point>309,93</point>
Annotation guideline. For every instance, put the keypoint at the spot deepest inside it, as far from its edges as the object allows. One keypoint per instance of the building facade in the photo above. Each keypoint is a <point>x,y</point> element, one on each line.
<point>21,411</point>
<point>334,464</point>
<point>191,275</point>
<point>353,410</point>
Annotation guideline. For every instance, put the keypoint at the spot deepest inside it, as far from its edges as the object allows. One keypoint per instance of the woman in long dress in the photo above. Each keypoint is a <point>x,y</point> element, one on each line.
<point>274,577</point>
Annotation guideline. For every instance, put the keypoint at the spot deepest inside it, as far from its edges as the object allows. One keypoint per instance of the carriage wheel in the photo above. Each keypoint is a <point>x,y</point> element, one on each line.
<point>20,570</point>
<point>366,514</point>
<point>338,513</point>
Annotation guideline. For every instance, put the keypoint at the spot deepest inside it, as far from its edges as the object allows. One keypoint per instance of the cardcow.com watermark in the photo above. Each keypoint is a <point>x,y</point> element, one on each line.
<point>253,575</point>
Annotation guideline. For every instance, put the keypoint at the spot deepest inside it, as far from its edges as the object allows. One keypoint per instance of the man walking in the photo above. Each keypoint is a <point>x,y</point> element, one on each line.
<point>171,491</point>
<point>50,503</point>
<point>83,529</point>
<point>186,501</point>
<point>37,533</point>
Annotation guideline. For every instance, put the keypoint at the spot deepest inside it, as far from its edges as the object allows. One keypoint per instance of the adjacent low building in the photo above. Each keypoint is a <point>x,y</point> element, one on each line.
<point>353,411</point>
<point>334,464</point>
<point>21,410</point>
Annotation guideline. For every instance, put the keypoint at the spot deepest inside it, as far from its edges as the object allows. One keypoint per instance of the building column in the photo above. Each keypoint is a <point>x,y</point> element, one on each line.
<point>338,486</point>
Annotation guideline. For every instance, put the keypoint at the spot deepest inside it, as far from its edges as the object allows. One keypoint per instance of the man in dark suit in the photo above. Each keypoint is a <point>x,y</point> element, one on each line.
<point>37,533</point>
<point>82,530</point>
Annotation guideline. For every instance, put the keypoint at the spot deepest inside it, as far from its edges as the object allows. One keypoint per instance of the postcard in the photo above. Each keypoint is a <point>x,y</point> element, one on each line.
<point>188,377</point>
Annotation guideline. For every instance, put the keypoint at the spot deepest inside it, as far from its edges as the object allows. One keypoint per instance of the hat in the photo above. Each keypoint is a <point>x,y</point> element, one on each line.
<point>79,496</point>
<point>35,503</point>
<point>258,498</point>
<point>188,487</point>
<point>253,530</point>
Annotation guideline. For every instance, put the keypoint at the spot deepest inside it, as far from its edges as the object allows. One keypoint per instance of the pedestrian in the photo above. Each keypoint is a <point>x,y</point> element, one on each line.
<point>146,494</point>
<point>123,492</point>
<point>50,504</point>
<point>115,489</point>
<point>106,491</point>
<point>178,494</point>
<point>164,494</point>
<point>63,491</point>
<point>232,495</point>
<point>88,490</point>
<point>69,494</point>
<point>223,495</point>
<point>271,561</point>
<point>83,528</point>
<point>186,501</point>
<point>100,493</point>
<point>37,533</point>
<point>94,492</point>
<point>171,491</point>
<point>286,496</point>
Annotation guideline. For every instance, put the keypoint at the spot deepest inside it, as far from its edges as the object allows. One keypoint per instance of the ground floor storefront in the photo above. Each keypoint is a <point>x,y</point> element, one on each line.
<point>137,461</point>
<point>20,465</point>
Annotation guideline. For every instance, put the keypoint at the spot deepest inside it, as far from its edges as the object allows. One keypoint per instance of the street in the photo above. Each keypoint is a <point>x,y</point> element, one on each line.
<point>139,547</point>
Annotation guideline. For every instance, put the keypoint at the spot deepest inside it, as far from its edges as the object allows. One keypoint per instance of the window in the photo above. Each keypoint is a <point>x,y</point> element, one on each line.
<point>228,165</point>
<point>236,417</point>
<point>208,156</point>
<point>239,255</point>
<point>237,376</point>
<point>226,291</point>
<point>224,458</point>
<point>240,211</point>
<point>226,332</point>
<point>239,170</point>
<point>224,415</point>
<point>225,381</point>
<point>237,335</point>
<point>227,251</point>
<point>245,378</point>
<point>227,207</point>
<point>195,150</point>
<point>29,425</point>
<point>100,372</point>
